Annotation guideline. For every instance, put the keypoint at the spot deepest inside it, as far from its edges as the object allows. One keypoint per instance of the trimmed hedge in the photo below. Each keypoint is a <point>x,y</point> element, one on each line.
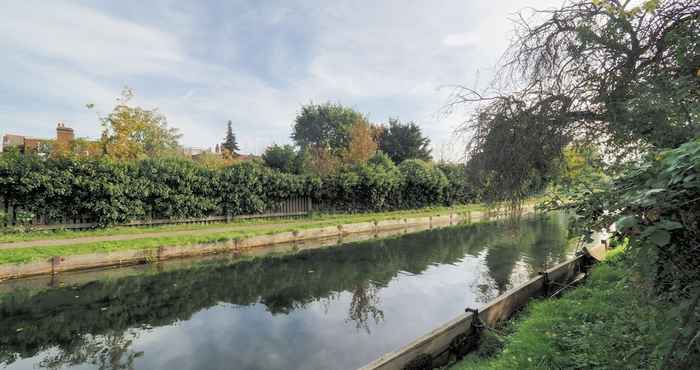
<point>108,192</point>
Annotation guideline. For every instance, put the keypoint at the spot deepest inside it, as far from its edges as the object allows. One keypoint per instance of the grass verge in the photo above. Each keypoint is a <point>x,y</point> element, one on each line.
<point>129,230</point>
<point>611,322</point>
<point>23,255</point>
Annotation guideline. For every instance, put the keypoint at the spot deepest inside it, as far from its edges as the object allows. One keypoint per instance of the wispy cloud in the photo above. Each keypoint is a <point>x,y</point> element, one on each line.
<point>254,62</point>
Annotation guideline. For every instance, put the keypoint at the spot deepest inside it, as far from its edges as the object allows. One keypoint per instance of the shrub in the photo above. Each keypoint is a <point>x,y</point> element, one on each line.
<point>175,188</point>
<point>424,184</point>
<point>458,190</point>
<point>281,157</point>
<point>108,192</point>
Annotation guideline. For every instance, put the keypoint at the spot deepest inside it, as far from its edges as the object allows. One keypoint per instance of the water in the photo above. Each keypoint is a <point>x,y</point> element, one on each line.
<point>332,308</point>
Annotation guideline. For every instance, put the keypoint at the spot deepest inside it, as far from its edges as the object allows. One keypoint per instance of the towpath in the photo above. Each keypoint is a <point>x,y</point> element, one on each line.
<point>145,235</point>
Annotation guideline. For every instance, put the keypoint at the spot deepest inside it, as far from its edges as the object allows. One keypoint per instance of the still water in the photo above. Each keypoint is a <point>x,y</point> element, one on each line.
<point>332,308</point>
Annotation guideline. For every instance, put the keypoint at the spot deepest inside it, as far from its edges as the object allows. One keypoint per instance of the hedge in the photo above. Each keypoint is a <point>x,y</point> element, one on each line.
<point>109,192</point>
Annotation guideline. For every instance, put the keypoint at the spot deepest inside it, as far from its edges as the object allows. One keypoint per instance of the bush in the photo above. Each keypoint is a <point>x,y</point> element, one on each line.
<point>424,184</point>
<point>281,157</point>
<point>654,206</point>
<point>175,188</point>
<point>108,192</point>
<point>458,190</point>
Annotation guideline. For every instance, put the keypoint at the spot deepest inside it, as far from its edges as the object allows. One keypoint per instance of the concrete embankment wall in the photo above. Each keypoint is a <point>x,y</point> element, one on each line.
<point>59,264</point>
<point>438,348</point>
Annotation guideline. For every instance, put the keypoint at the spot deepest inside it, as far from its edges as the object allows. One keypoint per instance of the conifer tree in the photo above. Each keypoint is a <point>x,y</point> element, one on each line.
<point>230,143</point>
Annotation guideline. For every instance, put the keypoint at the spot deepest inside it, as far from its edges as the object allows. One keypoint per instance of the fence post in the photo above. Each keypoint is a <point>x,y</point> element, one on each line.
<point>10,214</point>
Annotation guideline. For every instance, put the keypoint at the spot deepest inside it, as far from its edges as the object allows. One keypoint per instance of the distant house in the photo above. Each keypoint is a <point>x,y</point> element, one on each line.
<point>194,152</point>
<point>65,138</point>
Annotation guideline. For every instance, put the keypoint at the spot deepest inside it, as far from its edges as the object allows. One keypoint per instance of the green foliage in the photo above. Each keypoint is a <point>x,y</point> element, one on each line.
<point>325,126</point>
<point>458,190</point>
<point>23,220</point>
<point>110,192</point>
<point>286,159</point>
<point>175,188</point>
<point>402,141</point>
<point>580,166</point>
<point>374,185</point>
<point>655,205</point>
<point>424,183</point>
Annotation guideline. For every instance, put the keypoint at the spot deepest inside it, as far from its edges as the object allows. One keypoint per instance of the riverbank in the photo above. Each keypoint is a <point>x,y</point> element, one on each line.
<point>612,321</point>
<point>39,235</point>
<point>25,259</point>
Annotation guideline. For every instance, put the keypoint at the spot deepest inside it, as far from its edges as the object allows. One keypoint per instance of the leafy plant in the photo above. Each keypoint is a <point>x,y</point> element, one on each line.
<point>23,220</point>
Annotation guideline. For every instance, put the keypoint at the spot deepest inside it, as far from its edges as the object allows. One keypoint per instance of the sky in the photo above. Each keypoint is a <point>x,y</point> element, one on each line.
<point>202,63</point>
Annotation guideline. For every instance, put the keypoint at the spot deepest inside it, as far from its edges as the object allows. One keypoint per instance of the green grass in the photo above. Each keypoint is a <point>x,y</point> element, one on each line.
<point>611,322</point>
<point>128,230</point>
<point>125,230</point>
<point>23,255</point>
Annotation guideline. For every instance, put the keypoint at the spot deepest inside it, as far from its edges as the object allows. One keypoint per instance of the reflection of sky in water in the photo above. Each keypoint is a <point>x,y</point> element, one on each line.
<point>342,330</point>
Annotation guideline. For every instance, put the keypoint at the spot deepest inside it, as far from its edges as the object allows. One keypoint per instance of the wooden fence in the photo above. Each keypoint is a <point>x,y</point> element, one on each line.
<point>297,206</point>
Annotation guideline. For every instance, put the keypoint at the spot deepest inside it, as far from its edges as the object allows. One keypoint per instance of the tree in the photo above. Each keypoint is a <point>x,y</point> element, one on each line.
<point>326,126</point>
<point>404,141</point>
<point>602,72</point>
<point>281,157</point>
<point>361,146</point>
<point>322,161</point>
<point>230,145</point>
<point>131,133</point>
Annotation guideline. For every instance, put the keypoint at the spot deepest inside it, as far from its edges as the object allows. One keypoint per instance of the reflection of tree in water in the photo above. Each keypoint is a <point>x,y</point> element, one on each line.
<point>106,352</point>
<point>501,259</point>
<point>549,247</point>
<point>539,242</point>
<point>363,306</point>
<point>483,287</point>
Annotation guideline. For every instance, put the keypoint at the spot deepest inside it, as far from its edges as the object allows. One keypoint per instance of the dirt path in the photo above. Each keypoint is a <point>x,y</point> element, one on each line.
<point>110,238</point>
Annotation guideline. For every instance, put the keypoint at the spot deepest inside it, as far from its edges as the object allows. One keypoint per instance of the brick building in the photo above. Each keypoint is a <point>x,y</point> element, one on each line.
<point>26,144</point>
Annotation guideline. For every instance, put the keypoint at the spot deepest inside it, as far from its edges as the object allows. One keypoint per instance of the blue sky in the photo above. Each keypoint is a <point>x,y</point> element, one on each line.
<point>253,62</point>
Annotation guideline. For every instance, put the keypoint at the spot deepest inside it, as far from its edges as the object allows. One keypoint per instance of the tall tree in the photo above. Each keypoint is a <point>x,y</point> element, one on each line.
<point>401,141</point>
<point>325,126</point>
<point>621,74</point>
<point>362,145</point>
<point>134,133</point>
<point>230,145</point>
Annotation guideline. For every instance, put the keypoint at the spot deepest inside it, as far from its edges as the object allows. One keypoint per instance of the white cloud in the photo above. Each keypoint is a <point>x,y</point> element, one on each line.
<point>64,55</point>
<point>97,43</point>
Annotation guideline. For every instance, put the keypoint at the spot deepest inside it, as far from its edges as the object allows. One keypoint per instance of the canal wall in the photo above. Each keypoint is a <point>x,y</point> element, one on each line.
<point>58,264</point>
<point>459,336</point>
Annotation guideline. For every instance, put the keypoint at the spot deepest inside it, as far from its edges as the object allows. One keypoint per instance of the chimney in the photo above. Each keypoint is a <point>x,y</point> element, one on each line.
<point>64,134</point>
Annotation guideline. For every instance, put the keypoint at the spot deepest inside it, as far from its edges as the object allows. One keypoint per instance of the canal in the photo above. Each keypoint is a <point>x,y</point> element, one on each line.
<point>336,307</point>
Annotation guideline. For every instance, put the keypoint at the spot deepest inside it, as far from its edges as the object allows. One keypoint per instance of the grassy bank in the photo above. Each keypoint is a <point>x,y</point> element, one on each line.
<point>613,321</point>
<point>239,230</point>
<point>320,217</point>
